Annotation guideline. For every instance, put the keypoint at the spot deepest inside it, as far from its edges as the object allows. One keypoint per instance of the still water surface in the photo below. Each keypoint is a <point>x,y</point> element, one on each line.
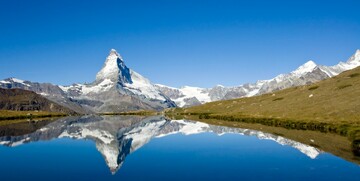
<point>154,148</point>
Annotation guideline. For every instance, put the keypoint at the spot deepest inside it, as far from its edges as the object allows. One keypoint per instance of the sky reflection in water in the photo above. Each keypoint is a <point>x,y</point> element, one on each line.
<point>153,148</point>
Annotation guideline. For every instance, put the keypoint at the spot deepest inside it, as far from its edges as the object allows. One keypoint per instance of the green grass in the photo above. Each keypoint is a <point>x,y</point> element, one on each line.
<point>138,113</point>
<point>12,115</point>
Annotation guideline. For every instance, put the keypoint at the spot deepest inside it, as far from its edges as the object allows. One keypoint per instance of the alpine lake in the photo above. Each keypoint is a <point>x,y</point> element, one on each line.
<point>157,148</point>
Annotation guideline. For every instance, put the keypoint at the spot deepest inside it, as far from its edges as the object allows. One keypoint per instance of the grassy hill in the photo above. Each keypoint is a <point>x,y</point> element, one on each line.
<point>335,100</point>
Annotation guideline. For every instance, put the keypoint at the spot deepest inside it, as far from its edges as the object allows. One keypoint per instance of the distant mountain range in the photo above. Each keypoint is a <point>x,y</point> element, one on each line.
<point>116,137</point>
<point>334,101</point>
<point>118,88</point>
<point>308,73</point>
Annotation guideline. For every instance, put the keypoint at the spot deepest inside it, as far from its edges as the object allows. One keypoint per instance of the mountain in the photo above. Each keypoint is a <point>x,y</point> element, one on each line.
<point>118,136</point>
<point>47,90</point>
<point>334,101</point>
<point>186,96</point>
<point>23,100</point>
<point>308,73</point>
<point>116,89</point>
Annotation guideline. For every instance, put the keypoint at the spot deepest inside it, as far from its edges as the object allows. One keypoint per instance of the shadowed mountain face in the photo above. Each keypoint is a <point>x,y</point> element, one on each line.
<point>118,136</point>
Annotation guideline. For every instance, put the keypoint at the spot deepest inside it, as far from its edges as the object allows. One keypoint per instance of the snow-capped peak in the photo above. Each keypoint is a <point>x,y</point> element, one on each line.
<point>114,69</point>
<point>14,80</point>
<point>113,52</point>
<point>17,80</point>
<point>115,78</point>
<point>307,67</point>
<point>355,57</point>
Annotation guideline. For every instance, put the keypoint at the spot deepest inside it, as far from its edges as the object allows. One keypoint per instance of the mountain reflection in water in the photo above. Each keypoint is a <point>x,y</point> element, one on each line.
<point>118,136</point>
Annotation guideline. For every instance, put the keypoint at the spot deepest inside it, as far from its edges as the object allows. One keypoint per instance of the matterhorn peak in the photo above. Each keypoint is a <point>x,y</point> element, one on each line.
<point>114,69</point>
<point>114,53</point>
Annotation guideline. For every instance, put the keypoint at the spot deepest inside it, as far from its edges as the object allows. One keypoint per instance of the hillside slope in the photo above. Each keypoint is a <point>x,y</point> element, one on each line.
<point>334,100</point>
<point>23,100</point>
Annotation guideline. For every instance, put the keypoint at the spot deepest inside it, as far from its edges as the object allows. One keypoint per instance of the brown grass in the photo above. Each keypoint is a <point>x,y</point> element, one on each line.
<point>335,100</point>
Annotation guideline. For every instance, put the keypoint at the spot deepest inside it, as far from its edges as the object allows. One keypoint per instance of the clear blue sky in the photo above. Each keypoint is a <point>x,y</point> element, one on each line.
<point>196,43</point>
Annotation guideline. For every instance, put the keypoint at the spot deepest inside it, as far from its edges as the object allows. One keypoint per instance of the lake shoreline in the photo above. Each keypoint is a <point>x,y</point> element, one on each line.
<point>328,141</point>
<point>351,132</point>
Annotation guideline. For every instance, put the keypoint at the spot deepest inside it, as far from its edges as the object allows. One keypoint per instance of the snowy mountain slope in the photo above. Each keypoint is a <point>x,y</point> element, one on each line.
<point>186,96</point>
<point>116,73</point>
<point>351,63</point>
<point>118,88</point>
<point>117,137</point>
<point>307,73</point>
